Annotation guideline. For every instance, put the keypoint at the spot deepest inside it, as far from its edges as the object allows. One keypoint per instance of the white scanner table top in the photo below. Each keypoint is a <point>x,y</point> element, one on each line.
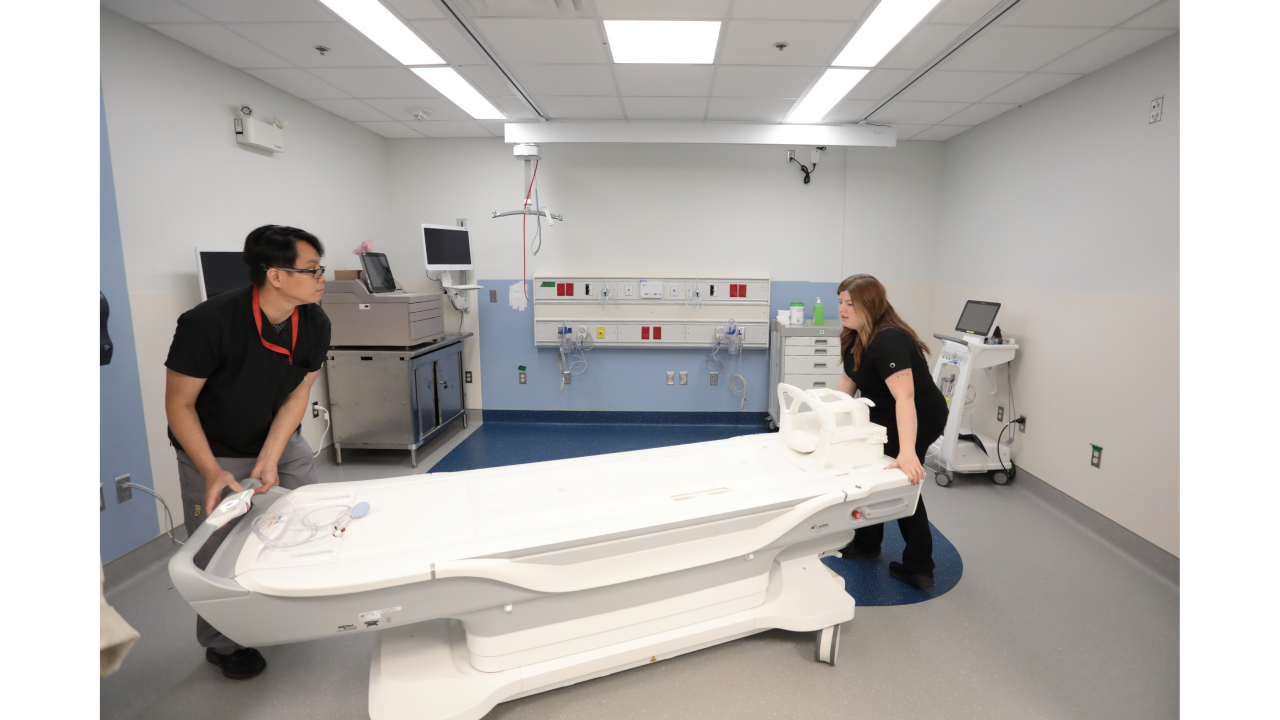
<point>423,527</point>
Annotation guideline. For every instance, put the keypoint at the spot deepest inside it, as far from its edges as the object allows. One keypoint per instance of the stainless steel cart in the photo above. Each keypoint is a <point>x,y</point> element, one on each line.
<point>395,399</point>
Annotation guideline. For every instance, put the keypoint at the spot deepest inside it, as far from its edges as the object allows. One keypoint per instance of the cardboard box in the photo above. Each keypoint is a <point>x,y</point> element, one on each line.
<point>347,274</point>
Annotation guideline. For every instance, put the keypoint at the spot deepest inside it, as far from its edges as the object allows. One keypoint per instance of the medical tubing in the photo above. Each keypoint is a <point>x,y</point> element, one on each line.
<point>167,514</point>
<point>305,521</point>
<point>738,385</point>
<point>326,429</point>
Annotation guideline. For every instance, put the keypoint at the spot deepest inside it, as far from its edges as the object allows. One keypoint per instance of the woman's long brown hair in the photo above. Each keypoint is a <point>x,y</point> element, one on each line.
<point>871,301</point>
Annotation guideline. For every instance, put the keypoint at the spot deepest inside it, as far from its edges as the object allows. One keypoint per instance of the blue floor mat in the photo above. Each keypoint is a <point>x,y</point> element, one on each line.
<point>495,444</point>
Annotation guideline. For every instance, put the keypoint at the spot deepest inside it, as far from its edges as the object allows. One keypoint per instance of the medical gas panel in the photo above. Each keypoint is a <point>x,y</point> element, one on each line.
<point>651,312</point>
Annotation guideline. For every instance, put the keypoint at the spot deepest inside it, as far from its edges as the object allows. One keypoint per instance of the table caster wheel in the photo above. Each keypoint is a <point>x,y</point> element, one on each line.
<point>828,645</point>
<point>942,479</point>
<point>773,426</point>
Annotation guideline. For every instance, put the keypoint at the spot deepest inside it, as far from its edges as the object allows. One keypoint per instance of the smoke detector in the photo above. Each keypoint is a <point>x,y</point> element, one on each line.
<point>420,114</point>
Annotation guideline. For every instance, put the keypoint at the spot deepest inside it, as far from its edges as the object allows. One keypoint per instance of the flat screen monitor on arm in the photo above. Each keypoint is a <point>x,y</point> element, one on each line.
<point>220,268</point>
<point>446,247</point>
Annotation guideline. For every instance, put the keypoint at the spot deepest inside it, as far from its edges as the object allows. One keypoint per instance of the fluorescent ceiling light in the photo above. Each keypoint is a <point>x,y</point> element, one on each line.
<point>451,85</point>
<point>691,42</point>
<point>888,24</point>
<point>379,25</point>
<point>831,88</point>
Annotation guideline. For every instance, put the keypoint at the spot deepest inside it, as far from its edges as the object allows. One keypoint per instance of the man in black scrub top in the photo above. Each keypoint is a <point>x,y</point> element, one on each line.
<point>240,371</point>
<point>884,359</point>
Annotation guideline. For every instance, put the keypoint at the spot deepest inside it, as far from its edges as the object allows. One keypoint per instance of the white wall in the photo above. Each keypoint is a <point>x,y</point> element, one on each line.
<point>182,180</point>
<point>1067,211</point>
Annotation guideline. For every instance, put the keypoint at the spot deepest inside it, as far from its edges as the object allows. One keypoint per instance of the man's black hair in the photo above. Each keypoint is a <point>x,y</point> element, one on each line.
<point>275,246</point>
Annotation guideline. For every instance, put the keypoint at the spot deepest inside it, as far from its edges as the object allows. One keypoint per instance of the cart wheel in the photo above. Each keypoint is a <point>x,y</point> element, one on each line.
<point>828,645</point>
<point>942,479</point>
<point>1000,477</point>
<point>772,425</point>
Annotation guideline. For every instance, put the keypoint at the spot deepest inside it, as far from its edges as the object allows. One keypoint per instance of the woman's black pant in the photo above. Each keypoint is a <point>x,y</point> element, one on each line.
<point>918,555</point>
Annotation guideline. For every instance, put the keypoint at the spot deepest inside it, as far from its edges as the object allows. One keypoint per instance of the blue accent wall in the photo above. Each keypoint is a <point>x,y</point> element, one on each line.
<point>122,433</point>
<point>621,378</point>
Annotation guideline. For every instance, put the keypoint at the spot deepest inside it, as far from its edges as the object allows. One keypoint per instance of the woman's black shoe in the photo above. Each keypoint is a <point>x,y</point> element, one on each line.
<point>900,572</point>
<point>239,665</point>
<point>853,551</point>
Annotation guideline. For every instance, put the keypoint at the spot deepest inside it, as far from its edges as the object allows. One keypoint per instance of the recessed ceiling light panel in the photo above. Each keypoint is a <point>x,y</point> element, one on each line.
<point>688,42</point>
<point>831,89</point>
<point>888,24</point>
<point>459,91</point>
<point>386,30</point>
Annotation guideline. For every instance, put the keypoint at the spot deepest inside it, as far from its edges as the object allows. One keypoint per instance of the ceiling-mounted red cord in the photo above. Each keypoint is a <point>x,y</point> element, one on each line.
<point>524,224</point>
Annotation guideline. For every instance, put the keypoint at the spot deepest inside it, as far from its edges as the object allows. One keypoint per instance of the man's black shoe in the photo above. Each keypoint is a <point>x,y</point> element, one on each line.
<point>900,572</point>
<point>853,551</point>
<point>239,665</point>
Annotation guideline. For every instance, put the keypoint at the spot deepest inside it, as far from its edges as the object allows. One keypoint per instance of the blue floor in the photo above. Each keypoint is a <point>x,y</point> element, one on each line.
<point>495,444</point>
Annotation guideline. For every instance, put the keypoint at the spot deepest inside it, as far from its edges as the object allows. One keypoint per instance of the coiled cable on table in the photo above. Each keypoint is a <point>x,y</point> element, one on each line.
<point>295,521</point>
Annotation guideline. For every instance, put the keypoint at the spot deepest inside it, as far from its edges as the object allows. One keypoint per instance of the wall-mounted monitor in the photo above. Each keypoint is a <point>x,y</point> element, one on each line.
<point>220,268</point>
<point>446,247</point>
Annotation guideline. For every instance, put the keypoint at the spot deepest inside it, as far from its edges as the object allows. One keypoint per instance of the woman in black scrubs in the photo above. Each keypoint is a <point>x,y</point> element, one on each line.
<point>884,359</point>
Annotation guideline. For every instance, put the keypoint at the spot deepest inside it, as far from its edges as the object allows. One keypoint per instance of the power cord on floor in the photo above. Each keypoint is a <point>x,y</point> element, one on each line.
<point>153,494</point>
<point>325,410</point>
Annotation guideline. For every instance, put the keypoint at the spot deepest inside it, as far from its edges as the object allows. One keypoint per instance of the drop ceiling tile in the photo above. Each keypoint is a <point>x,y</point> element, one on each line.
<point>847,10</point>
<point>665,108</point>
<point>514,108</point>
<point>298,83</point>
<point>237,11</point>
<point>1161,17</point>
<point>662,9</point>
<point>957,86</point>
<point>941,132</point>
<point>566,79</point>
<point>877,84</point>
<point>296,42</point>
<point>1014,49</point>
<point>581,108</point>
<point>154,11</point>
<point>452,128</point>
<point>415,9</point>
<point>1074,13</point>
<point>963,12</point>
<point>762,81</point>
<point>750,42</point>
<point>487,79</point>
<point>390,129</point>
<point>749,109</point>
<point>221,44</point>
<point>921,46</point>
<point>376,82</point>
<point>907,131</point>
<point>660,80</point>
<point>351,109</point>
<point>398,108</point>
<point>536,40</point>
<point>848,110</point>
<point>978,113</point>
<point>916,113</point>
<point>1105,50</point>
<point>495,127</point>
<point>1030,87</point>
<point>449,43</point>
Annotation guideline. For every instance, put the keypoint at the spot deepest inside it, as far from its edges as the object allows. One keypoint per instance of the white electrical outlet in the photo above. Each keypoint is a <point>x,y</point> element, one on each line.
<point>1157,110</point>
<point>629,289</point>
<point>674,291</point>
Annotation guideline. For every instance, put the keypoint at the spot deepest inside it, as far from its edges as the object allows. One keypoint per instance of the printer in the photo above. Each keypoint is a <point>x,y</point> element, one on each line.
<point>375,310</point>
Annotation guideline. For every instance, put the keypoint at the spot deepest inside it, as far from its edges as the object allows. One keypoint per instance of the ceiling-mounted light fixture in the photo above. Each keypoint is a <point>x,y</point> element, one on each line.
<point>686,42</point>
<point>384,29</point>
<point>831,88</point>
<point>888,24</point>
<point>459,91</point>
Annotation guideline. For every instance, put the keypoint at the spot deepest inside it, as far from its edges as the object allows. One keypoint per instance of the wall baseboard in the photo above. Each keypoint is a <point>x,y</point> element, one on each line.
<point>1163,564</point>
<point>131,564</point>
<point>629,417</point>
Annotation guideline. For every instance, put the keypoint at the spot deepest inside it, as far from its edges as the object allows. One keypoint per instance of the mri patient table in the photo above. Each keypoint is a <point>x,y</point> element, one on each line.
<point>489,585</point>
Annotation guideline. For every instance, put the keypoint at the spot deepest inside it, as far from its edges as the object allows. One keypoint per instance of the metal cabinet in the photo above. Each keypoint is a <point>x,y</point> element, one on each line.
<point>394,399</point>
<point>806,356</point>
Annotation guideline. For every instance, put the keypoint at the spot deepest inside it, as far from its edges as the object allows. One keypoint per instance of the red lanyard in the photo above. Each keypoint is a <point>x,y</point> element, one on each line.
<point>257,319</point>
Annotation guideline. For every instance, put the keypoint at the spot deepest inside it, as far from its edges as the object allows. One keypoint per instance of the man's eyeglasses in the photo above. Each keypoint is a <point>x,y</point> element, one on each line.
<point>315,273</point>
